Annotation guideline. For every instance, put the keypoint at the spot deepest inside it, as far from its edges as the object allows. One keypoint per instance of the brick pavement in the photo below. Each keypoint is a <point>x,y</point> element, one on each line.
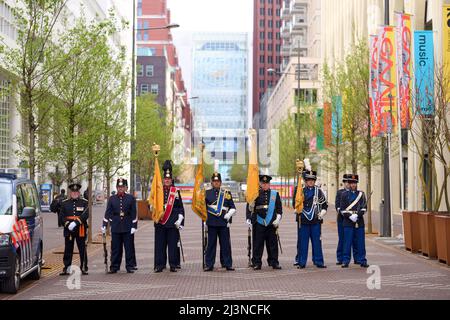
<point>403,275</point>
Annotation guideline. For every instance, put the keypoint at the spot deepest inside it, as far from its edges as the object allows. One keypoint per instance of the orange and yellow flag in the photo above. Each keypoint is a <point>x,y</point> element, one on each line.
<point>156,197</point>
<point>253,171</point>
<point>299,197</point>
<point>198,196</point>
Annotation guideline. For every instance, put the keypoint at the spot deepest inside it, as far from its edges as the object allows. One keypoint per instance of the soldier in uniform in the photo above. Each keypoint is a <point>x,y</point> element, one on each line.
<point>314,209</point>
<point>133,250</point>
<point>340,220</point>
<point>353,207</point>
<point>220,210</point>
<point>265,218</point>
<point>74,213</point>
<point>168,228</point>
<point>121,213</point>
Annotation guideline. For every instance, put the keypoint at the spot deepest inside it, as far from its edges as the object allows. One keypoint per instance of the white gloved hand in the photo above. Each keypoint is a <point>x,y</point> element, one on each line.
<point>179,221</point>
<point>228,225</point>
<point>249,222</point>
<point>133,230</point>
<point>354,217</point>
<point>277,221</point>
<point>230,214</point>
<point>103,230</point>
<point>72,226</point>
<point>322,214</point>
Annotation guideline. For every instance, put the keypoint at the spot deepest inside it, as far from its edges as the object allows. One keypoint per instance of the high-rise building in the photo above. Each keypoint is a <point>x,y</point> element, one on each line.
<point>158,70</point>
<point>220,71</point>
<point>266,50</point>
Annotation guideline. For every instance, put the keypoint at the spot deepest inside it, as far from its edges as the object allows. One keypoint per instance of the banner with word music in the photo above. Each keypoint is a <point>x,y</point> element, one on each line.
<point>424,72</point>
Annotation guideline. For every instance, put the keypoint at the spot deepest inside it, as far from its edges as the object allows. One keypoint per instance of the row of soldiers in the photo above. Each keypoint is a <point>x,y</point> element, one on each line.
<point>263,217</point>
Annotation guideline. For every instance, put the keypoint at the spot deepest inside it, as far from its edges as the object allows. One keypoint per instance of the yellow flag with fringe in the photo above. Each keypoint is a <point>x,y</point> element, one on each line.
<point>198,195</point>
<point>253,171</point>
<point>299,197</point>
<point>156,196</point>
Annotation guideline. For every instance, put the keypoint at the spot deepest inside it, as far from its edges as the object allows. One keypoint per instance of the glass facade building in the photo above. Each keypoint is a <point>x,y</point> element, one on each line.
<point>220,81</point>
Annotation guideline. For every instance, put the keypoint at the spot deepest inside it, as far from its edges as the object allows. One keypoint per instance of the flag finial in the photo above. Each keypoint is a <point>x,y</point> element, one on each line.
<point>156,148</point>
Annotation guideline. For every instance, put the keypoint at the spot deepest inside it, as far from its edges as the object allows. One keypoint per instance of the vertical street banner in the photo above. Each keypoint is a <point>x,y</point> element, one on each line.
<point>446,46</point>
<point>424,72</point>
<point>336,119</point>
<point>404,59</point>
<point>327,114</point>
<point>373,86</point>
<point>387,80</point>
<point>320,130</point>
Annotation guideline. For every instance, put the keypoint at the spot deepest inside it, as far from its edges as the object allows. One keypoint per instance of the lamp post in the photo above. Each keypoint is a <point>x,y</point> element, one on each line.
<point>133,94</point>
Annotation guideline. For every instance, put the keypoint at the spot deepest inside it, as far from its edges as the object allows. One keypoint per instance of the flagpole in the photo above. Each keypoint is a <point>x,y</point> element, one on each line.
<point>202,147</point>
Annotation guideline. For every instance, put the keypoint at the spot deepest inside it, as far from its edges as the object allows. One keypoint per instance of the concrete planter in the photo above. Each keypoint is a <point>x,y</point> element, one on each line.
<point>143,210</point>
<point>411,227</point>
<point>442,226</point>
<point>428,234</point>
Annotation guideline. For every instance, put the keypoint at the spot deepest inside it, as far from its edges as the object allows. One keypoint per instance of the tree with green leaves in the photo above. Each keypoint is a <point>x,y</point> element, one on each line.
<point>35,22</point>
<point>152,126</point>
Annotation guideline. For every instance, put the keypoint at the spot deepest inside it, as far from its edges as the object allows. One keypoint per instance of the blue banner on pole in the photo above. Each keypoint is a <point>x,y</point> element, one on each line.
<point>424,72</point>
<point>336,119</point>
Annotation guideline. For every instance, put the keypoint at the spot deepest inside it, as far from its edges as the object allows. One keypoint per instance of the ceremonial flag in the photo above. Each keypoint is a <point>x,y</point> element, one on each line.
<point>404,50</point>
<point>156,197</point>
<point>253,171</point>
<point>198,196</point>
<point>424,72</point>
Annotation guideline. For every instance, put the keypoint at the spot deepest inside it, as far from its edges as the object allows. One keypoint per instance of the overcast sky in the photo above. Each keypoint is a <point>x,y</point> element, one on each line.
<point>206,16</point>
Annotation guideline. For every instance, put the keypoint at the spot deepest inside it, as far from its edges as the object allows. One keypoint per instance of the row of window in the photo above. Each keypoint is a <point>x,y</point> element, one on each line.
<point>268,1</point>
<point>5,106</point>
<point>262,23</point>
<point>149,70</point>
<point>262,35</point>
<point>262,59</point>
<point>6,18</point>
<point>262,47</point>
<point>262,12</point>
<point>153,88</point>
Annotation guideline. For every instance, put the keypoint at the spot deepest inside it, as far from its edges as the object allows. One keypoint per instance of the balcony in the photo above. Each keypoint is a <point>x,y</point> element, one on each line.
<point>298,22</point>
<point>285,50</point>
<point>298,6</point>
<point>285,12</point>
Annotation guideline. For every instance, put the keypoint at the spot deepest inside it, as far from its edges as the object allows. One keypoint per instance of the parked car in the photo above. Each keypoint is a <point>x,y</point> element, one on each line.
<point>21,232</point>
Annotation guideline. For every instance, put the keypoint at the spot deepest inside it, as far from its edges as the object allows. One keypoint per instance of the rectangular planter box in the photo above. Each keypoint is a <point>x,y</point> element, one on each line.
<point>428,234</point>
<point>442,226</point>
<point>412,231</point>
<point>143,210</point>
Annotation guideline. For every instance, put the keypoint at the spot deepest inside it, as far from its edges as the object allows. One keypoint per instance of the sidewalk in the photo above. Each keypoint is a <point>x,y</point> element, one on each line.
<point>403,275</point>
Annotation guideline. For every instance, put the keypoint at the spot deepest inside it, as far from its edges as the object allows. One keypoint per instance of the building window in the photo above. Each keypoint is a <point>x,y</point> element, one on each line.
<point>261,1</point>
<point>278,12</point>
<point>278,47</point>
<point>145,25</point>
<point>261,23</point>
<point>140,70</point>
<point>261,46</point>
<point>144,88</point>
<point>261,84</point>
<point>139,36</point>
<point>262,11</point>
<point>149,70</point>
<point>270,23</point>
<point>278,36</point>
<point>261,71</point>
<point>278,24</point>
<point>269,60</point>
<point>269,47</point>
<point>261,35</point>
<point>270,35</point>
<point>270,12</point>
<point>278,60</point>
<point>261,59</point>
<point>154,89</point>
<point>145,35</point>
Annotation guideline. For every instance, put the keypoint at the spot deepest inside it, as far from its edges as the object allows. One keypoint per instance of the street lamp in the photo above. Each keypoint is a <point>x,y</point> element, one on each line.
<point>133,93</point>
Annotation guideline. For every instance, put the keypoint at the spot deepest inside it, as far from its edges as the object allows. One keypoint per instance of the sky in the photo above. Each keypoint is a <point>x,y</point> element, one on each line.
<point>206,16</point>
